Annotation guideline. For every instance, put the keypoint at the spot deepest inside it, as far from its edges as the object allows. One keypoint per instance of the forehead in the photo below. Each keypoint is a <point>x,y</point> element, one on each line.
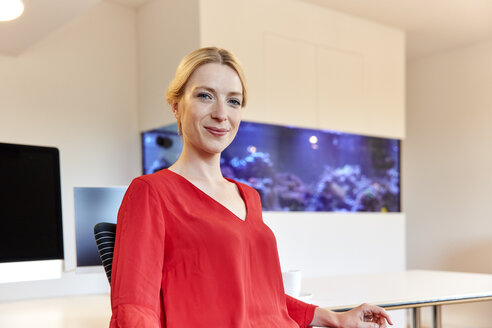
<point>217,76</point>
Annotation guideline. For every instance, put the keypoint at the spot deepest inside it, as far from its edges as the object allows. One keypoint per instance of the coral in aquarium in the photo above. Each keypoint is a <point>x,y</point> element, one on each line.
<point>337,188</point>
<point>256,165</point>
<point>292,193</point>
<point>347,189</point>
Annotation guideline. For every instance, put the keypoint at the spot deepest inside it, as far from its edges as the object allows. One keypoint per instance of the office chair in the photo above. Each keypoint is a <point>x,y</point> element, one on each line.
<point>105,234</point>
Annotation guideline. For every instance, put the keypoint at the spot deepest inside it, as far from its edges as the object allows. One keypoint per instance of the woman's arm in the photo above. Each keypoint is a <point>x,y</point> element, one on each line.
<point>138,259</point>
<point>300,312</point>
<point>363,316</point>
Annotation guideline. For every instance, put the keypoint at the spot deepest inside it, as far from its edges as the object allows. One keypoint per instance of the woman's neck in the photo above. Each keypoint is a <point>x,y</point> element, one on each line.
<point>198,166</point>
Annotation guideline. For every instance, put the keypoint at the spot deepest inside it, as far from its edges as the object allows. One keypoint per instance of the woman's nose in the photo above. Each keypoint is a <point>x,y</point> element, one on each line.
<point>219,112</point>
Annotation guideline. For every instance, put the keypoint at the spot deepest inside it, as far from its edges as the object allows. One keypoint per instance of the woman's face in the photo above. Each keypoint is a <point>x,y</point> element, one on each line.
<point>210,108</point>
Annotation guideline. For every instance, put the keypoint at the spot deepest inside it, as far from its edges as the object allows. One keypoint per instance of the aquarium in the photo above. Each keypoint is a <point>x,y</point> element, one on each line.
<point>297,169</point>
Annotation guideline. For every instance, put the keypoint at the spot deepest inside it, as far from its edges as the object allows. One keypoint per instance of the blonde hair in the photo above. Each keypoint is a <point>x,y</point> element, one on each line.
<point>196,59</point>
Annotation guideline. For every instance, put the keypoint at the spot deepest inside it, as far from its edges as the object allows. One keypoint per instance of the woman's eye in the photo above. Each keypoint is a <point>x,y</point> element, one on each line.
<point>235,102</point>
<point>203,95</point>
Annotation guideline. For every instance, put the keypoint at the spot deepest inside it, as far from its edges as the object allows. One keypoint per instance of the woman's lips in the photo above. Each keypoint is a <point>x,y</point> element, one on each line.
<point>218,132</point>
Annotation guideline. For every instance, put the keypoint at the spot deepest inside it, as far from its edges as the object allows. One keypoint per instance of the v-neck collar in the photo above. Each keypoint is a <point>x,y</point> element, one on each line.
<point>238,185</point>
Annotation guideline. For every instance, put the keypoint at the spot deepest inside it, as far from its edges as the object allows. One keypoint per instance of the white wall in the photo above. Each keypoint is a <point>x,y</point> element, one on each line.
<point>447,161</point>
<point>167,30</point>
<point>76,90</point>
<point>312,243</point>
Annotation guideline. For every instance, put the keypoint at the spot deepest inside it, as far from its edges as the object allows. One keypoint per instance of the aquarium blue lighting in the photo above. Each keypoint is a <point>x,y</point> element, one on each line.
<point>251,149</point>
<point>335,171</point>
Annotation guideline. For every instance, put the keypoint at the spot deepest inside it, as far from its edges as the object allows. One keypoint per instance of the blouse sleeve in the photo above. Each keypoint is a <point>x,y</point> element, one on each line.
<point>138,260</point>
<point>300,312</point>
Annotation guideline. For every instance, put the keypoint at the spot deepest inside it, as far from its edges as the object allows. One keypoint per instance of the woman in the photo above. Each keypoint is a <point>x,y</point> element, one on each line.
<point>191,247</point>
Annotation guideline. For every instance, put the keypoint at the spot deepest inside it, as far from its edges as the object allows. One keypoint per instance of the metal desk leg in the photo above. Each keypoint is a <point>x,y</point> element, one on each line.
<point>436,316</point>
<point>416,317</point>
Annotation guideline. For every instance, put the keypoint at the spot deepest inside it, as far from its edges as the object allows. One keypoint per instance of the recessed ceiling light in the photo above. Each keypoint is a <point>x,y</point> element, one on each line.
<point>10,9</point>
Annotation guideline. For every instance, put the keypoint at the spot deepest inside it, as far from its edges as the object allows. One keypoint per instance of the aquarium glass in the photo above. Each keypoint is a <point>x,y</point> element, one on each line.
<point>296,169</point>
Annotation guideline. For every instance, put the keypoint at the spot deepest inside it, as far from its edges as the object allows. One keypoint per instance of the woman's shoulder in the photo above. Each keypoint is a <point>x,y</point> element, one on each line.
<point>147,178</point>
<point>160,180</point>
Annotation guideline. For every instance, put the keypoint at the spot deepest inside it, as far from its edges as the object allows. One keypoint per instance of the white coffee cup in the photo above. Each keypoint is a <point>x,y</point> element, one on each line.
<point>292,282</point>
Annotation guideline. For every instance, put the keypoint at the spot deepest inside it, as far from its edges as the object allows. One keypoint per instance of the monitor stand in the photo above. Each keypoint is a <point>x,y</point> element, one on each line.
<point>30,270</point>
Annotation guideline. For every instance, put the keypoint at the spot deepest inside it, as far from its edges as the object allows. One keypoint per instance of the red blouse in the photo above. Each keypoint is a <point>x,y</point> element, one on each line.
<point>184,260</point>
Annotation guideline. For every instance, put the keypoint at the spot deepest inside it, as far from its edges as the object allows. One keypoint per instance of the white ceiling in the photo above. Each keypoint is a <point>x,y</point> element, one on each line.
<point>432,25</point>
<point>42,17</point>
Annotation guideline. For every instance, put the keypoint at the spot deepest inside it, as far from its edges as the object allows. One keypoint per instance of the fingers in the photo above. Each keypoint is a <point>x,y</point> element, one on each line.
<point>378,320</point>
<point>382,313</point>
<point>378,314</point>
<point>381,322</point>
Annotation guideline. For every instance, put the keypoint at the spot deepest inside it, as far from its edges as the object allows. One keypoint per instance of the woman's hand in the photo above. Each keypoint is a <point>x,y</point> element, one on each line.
<point>363,316</point>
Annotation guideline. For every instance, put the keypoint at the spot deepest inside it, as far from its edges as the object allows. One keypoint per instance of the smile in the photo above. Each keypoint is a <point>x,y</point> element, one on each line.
<point>216,131</point>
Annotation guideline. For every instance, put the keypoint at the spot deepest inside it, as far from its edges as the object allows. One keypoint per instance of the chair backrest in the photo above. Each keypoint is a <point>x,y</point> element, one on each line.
<point>105,234</point>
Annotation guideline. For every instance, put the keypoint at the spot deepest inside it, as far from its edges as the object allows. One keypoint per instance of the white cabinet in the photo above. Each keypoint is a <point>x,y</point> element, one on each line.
<point>312,67</point>
<point>289,83</point>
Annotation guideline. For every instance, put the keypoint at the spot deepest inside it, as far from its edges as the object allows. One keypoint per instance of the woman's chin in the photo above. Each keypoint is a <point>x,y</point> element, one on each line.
<point>213,149</point>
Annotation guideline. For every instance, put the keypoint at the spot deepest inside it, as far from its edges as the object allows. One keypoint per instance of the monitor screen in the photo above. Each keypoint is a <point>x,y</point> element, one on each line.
<point>30,204</point>
<point>93,205</point>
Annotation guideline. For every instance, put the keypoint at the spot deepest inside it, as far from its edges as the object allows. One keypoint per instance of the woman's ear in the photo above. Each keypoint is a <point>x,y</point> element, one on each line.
<point>177,116</point>
<point>175,109</point>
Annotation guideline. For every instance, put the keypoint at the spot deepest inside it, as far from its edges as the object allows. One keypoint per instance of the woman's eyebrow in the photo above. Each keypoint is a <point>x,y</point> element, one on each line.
<point>205,88</point>
<point>235,93</point>
<point>212,90</point>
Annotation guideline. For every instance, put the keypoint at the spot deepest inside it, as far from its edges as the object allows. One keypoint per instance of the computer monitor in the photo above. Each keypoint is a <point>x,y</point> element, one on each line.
<point>31,233</point>
<point>93,205</point>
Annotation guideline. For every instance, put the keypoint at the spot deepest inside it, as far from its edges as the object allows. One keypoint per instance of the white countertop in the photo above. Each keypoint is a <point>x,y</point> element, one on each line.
<point>398,289</point>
